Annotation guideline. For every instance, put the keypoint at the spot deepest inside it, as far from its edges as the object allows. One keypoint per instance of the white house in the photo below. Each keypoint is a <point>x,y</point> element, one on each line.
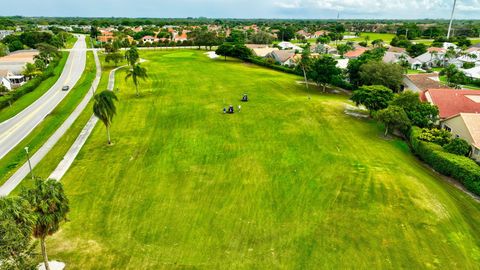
<point>431,59</point>
<point>4,33</point>
<point>393,57</point>
<point>148,39</point>
<point>284,45</point>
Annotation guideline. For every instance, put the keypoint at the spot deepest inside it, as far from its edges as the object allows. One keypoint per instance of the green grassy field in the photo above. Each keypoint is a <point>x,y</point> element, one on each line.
<point>387,38</point>
<point>16,157</point>
<point>27,99</point>
<point>286,183</point>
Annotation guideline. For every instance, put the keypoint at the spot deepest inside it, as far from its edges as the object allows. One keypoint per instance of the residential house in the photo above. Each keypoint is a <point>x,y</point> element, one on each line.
<point>465,126</point>
<point>422,82</point>
<point>452,102</point>
<point>431,59</point>
<point>283,57</point>
<point>318,34</point>
<point>303,33</point>
<point>149,39</point>
<point>394,49</point>
<point>4,33</point>
<point>11,80</point>
<point>473,73</point>
<point>263,52</point>
<point>392,57</point>
<point>284,45</point>
<point>105,37</point>
<point>180,37</point>
<point>355,53</point>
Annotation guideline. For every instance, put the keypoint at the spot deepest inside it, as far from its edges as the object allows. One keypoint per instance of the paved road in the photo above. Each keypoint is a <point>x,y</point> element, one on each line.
<point>24,171</point>
<point>72,153</point>
<point>15,129</point>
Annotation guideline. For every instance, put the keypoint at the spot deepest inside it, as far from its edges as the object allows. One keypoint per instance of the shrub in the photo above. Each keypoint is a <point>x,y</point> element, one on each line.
<point>435,135</point>
<point>458,147</point>
<point>468,65</point>
<point>461,168</point>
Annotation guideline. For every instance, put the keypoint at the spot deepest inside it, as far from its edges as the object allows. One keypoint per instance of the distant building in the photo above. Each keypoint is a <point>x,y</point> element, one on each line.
<point>283,57</point>
<point>4,33</point>
<point>356,53</point>
<point>422,82</point>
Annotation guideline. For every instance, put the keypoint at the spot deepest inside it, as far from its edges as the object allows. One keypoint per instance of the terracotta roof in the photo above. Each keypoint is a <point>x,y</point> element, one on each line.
<point>396,49</point>
<point>426,81</point>
<point>435,49</point>
<point>452,102</point>
<point>356,53</point>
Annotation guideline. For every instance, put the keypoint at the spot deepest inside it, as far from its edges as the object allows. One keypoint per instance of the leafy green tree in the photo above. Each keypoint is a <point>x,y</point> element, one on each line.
<point>286,33</point>
<point>323,39</point>
<point>224,50</point>
<point>381,73</point>
<point>16,227</point>
<point>373,97</point>
<point>135,73</point>
<point>377,43</point>
<point>94,32</point>
<point>354,65</point>
<point>50,206</point>
<point>115,57</point>
<point>458,146</point>
<point>30,70</point>
<point>15,46</point>
<point>394,117</point>
<point>261,37</point>
<point>104,108</point>
<point>324,71</point>
<point>343,48</point>
<point>421,114</point>
<point>132,56</point>
<point>417,49</point>
<point>235,36</point>
<point>3,50</point>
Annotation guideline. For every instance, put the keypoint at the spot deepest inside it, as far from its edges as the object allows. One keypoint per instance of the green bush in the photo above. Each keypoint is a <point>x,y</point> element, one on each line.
<point>460,168</point>
<point>30,86</point>
<point>458,147</point>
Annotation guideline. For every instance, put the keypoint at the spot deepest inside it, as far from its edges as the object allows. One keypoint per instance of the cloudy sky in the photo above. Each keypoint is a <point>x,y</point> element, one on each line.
<point>321,9</point>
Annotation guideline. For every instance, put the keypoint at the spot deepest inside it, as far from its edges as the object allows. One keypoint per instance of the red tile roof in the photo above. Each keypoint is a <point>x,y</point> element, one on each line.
<point>453,102</point>
<point>356,53</point>
<point>435,49</point>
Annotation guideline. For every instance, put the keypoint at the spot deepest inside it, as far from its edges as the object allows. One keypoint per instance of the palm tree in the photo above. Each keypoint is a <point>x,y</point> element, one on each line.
<point>104,108</point>
<point>50,207</point>
<point>132,56</point>
<point>30,70</point>
<point>136,72</point>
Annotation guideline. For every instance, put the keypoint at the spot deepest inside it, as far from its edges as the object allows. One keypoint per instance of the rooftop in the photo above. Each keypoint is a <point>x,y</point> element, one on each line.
<point>452,102</point>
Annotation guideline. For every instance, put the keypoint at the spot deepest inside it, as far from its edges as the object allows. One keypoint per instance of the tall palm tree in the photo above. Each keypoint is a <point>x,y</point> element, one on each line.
<point>136,72</point>
<point>50,207</point>
<point>132,56</point>
<point>104,108</point>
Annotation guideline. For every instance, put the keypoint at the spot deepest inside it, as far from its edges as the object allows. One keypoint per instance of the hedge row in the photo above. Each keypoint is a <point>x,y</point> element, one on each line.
<point>30,86</point>
<point>460,168</point>
<point>261,62</point>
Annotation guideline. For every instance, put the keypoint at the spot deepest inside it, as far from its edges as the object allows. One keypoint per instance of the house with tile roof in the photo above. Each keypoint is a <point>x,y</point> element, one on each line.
<point>355,53</point>
<point>452,102</point>
<point>465,126</point>
<point>421,82</point>
<point>283,57</point>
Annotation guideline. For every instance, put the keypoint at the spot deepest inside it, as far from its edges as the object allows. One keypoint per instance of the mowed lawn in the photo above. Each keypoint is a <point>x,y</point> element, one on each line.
<point>287,183</point>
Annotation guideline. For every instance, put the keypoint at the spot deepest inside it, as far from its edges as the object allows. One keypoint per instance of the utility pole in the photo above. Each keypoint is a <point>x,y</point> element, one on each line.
<point>451,19</point>
<point>29,164</point>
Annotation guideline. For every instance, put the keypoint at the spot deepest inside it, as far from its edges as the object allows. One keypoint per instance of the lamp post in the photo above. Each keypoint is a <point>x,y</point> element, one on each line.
<point>29,164</point>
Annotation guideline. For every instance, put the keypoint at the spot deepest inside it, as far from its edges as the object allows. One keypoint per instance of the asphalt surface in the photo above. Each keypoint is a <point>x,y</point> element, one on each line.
<point>15,129</point>
<point>24,170</point>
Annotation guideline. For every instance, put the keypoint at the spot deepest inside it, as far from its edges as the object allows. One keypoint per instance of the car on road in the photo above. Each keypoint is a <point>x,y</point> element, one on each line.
<point>65,88</point>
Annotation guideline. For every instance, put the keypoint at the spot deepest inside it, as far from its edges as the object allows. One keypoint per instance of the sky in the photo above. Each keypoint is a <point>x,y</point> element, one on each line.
<point>297,9</point>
